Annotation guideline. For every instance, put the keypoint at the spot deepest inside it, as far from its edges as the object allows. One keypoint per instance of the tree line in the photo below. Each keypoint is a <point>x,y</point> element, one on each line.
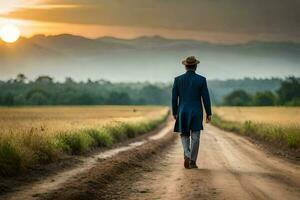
<point>45,91</point>
<point>288,94</point>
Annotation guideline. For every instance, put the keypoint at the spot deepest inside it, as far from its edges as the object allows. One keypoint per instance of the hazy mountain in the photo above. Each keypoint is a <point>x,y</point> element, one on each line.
<point>145,58</point>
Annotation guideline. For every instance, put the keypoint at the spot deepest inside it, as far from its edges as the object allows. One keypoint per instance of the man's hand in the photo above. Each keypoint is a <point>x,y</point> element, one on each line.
<point>175,117</point>
<point>208,119</point>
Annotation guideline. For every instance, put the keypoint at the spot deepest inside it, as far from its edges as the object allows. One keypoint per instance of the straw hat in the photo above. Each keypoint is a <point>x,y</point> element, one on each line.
<point>190,61</point>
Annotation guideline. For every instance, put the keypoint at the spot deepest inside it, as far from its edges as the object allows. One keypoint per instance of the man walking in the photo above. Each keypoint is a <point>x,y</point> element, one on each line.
<point>188,93</point>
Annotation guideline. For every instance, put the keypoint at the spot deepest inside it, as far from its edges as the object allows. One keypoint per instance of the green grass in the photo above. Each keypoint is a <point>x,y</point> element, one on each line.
<point>17,155</point>
<point>279,135</point>
<point>10,158</point>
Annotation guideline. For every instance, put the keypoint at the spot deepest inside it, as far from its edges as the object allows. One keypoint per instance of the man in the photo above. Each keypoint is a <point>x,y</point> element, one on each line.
<point>188,93</point>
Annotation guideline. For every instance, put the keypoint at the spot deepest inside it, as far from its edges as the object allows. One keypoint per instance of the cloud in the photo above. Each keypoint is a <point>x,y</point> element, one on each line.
<point>223,16</point>
<point>11,5</point>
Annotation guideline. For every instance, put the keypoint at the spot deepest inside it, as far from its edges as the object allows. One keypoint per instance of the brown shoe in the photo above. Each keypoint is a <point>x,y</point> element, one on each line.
<point>187,162</point>
<point>193,165</point>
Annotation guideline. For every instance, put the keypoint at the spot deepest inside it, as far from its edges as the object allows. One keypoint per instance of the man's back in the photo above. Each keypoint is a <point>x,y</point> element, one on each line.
<point>189,87</point>
<point>189,90</point>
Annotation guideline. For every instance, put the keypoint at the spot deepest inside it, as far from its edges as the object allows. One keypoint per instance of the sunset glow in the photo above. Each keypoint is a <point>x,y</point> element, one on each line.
<point>210,20</point>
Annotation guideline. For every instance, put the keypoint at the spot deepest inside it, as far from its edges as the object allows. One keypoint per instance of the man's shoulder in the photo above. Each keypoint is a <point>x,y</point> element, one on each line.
<point>179,77</point>
<point>200,77</point>
<point>197,75</point>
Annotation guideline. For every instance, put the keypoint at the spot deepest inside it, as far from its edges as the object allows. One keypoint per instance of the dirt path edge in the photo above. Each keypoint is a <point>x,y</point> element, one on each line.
<point>92,184</point>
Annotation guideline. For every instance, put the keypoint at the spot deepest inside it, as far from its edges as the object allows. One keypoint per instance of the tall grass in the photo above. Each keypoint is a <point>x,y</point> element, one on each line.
<point>18,152</point>
<point>275,134</point>
<point>269,114</point>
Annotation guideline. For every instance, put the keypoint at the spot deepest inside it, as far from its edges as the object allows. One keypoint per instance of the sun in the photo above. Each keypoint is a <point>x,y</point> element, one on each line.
<point>9,33</point>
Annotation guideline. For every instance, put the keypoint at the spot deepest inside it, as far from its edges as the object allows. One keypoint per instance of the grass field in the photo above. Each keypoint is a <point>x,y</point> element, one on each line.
<point>273,115</point>
<point>38,135</point>
<point>276,125</point>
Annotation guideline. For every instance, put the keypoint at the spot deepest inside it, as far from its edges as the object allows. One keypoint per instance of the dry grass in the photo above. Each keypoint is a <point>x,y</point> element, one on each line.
<point>279,126</point>
<point>35,135</point>
<point>54,119</point>
<point>284,116</point>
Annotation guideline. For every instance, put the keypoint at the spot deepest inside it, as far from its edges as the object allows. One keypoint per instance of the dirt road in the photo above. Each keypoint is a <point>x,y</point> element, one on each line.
<point>230,167</point>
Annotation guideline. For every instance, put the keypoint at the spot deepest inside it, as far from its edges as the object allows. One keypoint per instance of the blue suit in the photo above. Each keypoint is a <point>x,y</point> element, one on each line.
<point>188,93</point>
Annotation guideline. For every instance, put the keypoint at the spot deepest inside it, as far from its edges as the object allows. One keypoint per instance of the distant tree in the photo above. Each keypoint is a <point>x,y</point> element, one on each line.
<point>8,99</point>
<point>294,102</point>
<point>65,95</point>
<point>289,90</point>
<point>154,95</point>
<point>10,81</point>
<point>102,81</point>
<point>238,98</point>
<point>44,79</point>
<point>85,99</point>
<point>140,101</point>
<point>89,81</point>
<point>69,80</point>
<point>266,98</point>
<point>21,78</point>
<point>38,98</point>
<point>119,98</point>
<point>36,90</point>
<point>20,100</point>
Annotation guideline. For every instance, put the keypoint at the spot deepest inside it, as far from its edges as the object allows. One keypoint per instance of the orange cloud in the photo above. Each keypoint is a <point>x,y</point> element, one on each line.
<point>237,19</point>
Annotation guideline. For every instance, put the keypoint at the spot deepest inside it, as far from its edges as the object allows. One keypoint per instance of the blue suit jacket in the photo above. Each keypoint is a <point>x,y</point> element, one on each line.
<point>188,93</point>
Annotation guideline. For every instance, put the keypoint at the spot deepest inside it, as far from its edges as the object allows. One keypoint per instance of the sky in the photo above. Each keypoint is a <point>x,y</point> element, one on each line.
<point>227,21</point>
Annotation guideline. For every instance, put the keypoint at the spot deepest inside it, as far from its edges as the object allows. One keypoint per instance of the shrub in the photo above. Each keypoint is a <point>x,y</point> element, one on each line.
<point>11,158</point>
<point>43,148</point>
<point>248,127</point>
<point>101,137</point>
<point>59,144</point>
<point>117,132</point>
<point>131,130</point>
<point>77,141</point>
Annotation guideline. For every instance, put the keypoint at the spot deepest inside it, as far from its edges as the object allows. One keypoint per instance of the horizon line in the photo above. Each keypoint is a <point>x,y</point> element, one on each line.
<point>142,81</point>
<point>161,37</point>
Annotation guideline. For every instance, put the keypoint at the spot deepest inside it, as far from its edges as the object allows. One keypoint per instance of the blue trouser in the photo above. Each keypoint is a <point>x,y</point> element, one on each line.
<point>191,148</point>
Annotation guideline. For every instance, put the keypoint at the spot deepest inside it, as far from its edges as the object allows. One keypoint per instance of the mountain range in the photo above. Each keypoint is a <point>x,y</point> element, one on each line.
<point>154,59</point>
